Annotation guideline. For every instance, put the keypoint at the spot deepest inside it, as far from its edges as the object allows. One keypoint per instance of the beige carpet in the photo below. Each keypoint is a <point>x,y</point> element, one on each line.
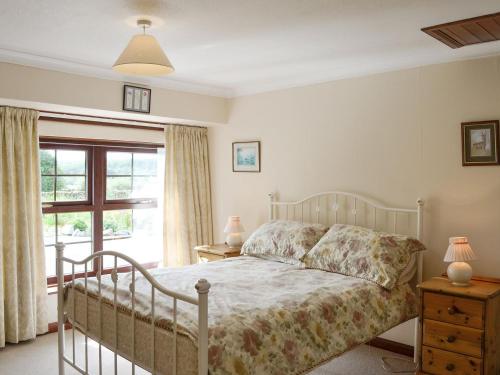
<point>39,357</point>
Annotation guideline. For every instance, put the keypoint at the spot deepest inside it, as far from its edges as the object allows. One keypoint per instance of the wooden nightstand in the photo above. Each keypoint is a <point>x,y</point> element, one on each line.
<point>209,253</point>
<point>460,332</point>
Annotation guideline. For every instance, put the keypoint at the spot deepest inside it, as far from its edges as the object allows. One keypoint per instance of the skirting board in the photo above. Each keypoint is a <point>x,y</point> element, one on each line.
<point>378,342</point>
<point>53,327</point>
<point>392,346</point>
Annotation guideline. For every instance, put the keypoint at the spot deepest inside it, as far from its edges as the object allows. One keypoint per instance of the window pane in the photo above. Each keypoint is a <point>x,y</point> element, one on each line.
<point>49,229</point>
<point>71,162</point>
<point>74,227</point>
<point>47,161</point>
<point>145,164</point>
<point>140,185</point>
<point>144,187</point>
<point>75,230</point>
<point>119,163</point>
<point>118,187</point>
<point>75,251</point>
<point>136,233</point>
<point>48,188</point>
<point>117,223</point>
<point>71,188</point>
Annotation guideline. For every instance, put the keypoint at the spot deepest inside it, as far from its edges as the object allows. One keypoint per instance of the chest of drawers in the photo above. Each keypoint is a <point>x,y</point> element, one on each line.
<point>460,328</point>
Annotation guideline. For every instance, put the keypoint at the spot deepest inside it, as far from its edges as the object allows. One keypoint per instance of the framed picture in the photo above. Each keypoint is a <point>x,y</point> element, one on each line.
<point>136,99</point>
<point>480,143</point>
<point>246,156</point>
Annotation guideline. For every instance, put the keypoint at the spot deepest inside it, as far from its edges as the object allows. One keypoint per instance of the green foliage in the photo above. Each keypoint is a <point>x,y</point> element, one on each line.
<point>119,163</point>
<point>110,223</point>
<point>49,220</point>
<point>118,220</point>
<point>118,187</point>
<point>80,225</point>
<point>47,161</point>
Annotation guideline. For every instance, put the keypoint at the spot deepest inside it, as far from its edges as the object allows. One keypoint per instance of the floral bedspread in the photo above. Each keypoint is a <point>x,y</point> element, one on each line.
<point>268,317</point>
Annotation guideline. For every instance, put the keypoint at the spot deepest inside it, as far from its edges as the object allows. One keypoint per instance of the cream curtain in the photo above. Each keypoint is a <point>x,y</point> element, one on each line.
<point>23,285</point>
<point>187,198</point>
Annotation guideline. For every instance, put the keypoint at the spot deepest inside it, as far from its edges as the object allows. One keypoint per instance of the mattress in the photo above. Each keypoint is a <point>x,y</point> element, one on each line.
<point>265,317</point>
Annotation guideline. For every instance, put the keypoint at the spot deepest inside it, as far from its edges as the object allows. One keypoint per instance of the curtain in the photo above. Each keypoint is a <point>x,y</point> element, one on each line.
<point>187,198</point>
<point>23,284</point>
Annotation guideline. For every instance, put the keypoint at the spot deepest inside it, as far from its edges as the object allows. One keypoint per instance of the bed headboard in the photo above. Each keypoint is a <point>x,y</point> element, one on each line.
<point>334,207</point>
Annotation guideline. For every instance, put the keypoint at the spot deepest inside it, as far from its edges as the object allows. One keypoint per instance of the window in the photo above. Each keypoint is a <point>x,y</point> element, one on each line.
<point>100,197</point>
<point>130,175</point>
<point>64,175</point>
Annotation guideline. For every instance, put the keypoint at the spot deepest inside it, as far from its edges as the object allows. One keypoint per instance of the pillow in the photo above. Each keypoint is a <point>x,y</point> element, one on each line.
<point>364,253</point>
<point>283,240</point>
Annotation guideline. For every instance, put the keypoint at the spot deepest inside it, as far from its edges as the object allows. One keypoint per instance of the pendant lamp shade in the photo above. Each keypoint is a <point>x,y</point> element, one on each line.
<point>143,56</point>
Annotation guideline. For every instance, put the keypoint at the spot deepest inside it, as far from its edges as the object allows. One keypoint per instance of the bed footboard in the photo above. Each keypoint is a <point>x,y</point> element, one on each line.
<point>202,287</point>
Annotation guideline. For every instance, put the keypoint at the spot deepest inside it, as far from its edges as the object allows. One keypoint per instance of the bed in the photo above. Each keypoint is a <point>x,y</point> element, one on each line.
<point>254,316</point>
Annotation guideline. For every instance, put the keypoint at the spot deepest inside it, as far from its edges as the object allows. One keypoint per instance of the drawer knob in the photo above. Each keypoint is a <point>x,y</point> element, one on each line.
<point>453,310</point>
<point>450,367</point>
<point>451,339</point>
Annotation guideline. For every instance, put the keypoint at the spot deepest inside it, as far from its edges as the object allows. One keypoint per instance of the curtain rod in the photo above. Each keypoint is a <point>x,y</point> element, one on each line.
<point>58,117</point>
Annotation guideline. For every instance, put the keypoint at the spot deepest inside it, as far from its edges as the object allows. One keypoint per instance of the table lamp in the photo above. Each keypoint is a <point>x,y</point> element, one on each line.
<point>233,230</point>
<point>459,252</point>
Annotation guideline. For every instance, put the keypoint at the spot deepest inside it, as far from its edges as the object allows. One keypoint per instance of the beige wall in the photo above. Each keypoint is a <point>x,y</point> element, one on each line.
<point>393,136</point>
<point>46,86</point>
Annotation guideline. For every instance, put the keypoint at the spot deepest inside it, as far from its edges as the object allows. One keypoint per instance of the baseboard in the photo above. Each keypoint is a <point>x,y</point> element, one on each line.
<point>392,346</point>
<point>53,327</point>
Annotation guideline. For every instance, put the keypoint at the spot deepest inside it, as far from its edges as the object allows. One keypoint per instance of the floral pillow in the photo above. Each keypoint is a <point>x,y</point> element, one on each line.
<point>364,253</point>
<point>283,240</point>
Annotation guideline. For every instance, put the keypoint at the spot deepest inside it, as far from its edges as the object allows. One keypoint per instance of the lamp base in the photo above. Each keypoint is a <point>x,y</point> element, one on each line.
<point>459,273</point>
<point>234,239</point>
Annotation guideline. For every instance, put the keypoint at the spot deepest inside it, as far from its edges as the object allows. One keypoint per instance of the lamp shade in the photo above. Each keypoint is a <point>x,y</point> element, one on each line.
<point>233,225</point>
<point>459,250</point>
<point>143,56</point>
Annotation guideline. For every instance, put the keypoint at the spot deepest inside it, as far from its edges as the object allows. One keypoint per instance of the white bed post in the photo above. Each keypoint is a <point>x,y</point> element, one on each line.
<point>420,265</point>
<point>60,305</point>
<point>271,199</point>
<point>202,286</point>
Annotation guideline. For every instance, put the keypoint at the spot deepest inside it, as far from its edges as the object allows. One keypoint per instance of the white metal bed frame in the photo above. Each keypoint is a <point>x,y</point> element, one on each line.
<point>328,208</point>
<point>202,287</point>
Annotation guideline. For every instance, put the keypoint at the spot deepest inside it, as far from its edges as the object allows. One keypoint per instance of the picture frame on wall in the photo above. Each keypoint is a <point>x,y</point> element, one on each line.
<point>136,99</point>
<point>246,156</point>
<point>480,143</point>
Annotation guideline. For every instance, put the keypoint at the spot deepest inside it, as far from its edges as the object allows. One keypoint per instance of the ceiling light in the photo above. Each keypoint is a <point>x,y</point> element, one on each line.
<point>143,56</point>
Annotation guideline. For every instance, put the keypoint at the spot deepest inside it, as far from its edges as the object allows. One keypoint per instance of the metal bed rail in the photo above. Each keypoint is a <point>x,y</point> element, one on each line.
<point>202,287</point>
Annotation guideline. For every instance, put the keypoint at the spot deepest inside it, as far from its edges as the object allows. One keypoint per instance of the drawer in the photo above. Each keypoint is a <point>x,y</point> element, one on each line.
<point>439,362</point>
<point>208,257</point>
<point>454,338</point>
<point>456,310</point>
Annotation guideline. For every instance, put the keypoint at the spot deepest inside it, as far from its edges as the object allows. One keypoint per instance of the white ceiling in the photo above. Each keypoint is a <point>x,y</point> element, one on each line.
<point>237,47</point>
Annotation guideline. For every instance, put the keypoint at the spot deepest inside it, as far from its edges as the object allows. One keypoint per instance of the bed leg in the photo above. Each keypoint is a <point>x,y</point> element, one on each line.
<point>60,305</point>
<point>202,286</point>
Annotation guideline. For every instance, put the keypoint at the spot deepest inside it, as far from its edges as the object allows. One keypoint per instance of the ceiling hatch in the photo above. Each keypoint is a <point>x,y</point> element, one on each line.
<point>466,32</point>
